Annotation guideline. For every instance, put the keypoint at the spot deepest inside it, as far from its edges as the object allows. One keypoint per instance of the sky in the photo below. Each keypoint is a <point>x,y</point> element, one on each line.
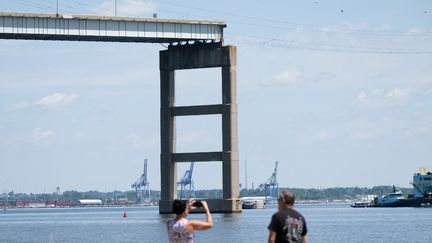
<point>338,92</point>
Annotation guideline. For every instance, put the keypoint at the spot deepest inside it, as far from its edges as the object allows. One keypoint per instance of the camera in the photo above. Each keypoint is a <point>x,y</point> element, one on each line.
<point>197,204</point>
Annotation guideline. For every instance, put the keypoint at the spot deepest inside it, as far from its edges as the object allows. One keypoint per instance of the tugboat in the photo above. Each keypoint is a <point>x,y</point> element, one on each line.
<point>389,200</point>
<point>422,193</point>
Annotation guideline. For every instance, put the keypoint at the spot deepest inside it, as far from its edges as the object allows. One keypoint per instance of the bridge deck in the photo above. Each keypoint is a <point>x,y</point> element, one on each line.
<point>113,29</point>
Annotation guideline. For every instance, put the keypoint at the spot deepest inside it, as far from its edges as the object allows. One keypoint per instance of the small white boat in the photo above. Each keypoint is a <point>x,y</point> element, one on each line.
<point>253,203</point>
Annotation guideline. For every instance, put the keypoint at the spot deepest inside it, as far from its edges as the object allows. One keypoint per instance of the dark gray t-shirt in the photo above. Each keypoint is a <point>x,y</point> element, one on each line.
<point>289,225</point>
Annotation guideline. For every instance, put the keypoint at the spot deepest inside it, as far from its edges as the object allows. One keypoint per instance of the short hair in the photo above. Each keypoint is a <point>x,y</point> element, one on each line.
<point>179,206</point>
<point>287,197</point>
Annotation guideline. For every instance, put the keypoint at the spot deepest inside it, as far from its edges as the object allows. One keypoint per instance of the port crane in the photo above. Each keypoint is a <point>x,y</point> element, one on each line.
<point>142,187</point>
<point>271,186</point>
<point>186,184</point>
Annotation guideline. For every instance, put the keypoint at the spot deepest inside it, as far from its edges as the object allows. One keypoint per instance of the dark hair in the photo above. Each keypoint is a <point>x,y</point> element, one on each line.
<point>179,206</point>
<point>287,197</point>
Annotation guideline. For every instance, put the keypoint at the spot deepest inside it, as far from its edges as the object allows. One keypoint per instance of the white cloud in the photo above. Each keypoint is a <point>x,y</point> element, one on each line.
<point>57,100</point>
<point>379,97</point>
<point>398,93</point>
<point>366,97</point>
<point>127,7</point>
<point>415,31</point>
<point>361,97</point>
<point>284,78</point>
<point>40,135</point>
<point>346,27</point>
<point>19,106</point>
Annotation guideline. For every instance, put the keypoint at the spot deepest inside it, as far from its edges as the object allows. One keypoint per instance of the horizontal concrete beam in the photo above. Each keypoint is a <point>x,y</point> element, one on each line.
<point>102,28</point>
<point>198,110</point>
<point>206,55</point>
<point>198,156</point>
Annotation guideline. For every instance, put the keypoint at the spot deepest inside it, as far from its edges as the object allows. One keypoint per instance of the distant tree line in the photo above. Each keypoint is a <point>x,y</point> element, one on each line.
<point>106,197</point>
<point>334,193</point>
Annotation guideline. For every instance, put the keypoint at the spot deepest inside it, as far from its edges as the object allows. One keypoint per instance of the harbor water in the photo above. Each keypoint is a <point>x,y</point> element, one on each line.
<point>326,223</point>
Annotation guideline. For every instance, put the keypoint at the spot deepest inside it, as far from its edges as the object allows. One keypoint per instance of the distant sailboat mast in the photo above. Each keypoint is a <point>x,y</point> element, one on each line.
<point>246,182</point>
<point>6,204</point>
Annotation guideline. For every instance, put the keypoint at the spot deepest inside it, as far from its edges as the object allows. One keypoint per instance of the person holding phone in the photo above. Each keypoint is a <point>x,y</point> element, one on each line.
<point>181,230</point>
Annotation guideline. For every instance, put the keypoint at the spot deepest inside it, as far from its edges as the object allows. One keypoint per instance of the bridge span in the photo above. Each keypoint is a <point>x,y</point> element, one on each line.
<point>192,44</point>
<point>103,28</point>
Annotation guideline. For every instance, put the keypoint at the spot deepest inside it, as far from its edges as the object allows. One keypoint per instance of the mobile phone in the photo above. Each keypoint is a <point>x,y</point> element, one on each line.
<point>197,204</point>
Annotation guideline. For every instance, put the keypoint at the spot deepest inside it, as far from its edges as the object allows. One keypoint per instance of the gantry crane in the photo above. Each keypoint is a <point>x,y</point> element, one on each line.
<point>186,184</point>
<point>271,186</point>
<point>142,187</point>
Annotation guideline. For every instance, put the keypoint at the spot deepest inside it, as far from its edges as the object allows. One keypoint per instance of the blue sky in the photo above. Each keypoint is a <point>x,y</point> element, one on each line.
<point>339,92</point>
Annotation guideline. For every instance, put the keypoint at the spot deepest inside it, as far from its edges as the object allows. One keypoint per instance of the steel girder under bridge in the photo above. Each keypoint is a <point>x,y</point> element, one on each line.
<point>206,51</point>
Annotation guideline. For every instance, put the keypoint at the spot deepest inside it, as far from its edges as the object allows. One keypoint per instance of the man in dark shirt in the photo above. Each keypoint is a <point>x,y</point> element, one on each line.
<point>287,225</point>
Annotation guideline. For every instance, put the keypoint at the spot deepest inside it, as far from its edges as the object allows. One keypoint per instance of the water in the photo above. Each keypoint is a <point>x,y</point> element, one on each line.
<point>326,223</point>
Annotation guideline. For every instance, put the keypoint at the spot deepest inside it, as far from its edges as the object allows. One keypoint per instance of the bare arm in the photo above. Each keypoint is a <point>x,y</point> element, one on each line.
<point>272,237</point>
<point>304,239</point>
<point>203,225</point>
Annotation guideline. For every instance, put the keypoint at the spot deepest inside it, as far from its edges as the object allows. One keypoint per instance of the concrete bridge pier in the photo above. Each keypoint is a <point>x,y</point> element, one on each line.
<point>202,55</point>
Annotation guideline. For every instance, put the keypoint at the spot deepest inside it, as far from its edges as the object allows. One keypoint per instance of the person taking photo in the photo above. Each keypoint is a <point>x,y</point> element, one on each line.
<point>180,229</point>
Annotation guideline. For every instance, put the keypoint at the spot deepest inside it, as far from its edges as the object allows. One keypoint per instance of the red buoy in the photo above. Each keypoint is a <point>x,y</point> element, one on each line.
<point>125,215</point>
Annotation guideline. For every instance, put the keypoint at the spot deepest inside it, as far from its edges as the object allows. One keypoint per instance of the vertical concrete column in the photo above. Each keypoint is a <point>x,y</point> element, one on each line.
<point>168,135</point>
<point>230,160</point>
<point>196,56</point>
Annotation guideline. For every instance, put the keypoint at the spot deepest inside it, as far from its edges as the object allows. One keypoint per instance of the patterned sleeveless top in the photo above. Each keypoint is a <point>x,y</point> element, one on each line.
<point>177,231</point>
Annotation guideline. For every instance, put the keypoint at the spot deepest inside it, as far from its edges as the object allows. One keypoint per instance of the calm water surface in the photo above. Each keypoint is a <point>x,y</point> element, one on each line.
<point>326,223</point>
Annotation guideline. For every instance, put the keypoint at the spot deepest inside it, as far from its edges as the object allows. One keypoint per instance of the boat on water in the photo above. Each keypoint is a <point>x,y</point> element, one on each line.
<point>360,204</point>
<point>422,194</point>
<point>253,203</point>
<point>396,199</point>
<point>426,205</point>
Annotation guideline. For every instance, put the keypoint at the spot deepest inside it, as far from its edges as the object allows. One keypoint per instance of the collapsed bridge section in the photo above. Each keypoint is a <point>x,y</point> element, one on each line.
<point>193,44</point>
